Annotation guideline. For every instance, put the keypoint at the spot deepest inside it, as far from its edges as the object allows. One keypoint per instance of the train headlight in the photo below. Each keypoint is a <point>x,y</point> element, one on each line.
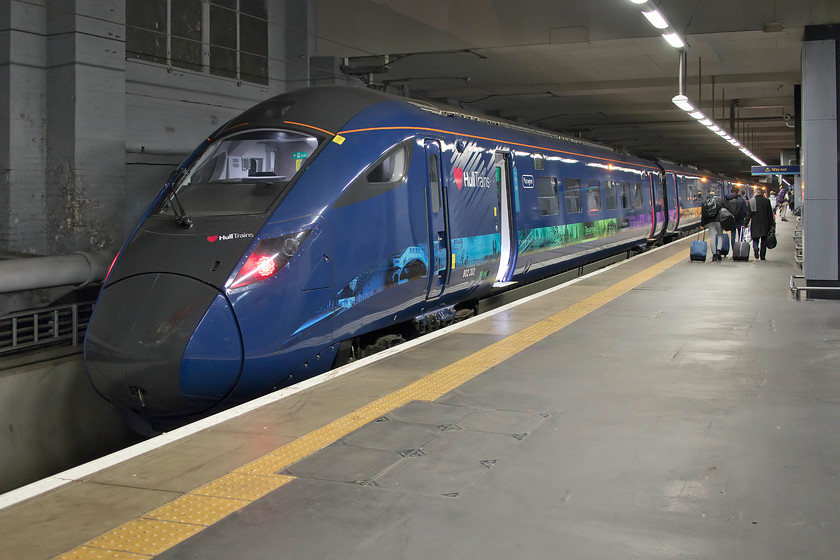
<point>290,247</point>
<point>268,258</point>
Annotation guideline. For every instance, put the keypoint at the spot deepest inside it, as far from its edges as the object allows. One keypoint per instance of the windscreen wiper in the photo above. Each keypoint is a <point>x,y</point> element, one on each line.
<point>181,217</point>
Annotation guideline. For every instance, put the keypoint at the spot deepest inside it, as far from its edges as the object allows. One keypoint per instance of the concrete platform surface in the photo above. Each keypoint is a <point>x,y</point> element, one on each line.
<point>657,409</point>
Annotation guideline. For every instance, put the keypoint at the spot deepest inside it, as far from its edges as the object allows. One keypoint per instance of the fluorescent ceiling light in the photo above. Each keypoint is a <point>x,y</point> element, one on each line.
<point>683,103</point>
<point>673,39</point>
<point>639,1</point>
<point>656,19</point>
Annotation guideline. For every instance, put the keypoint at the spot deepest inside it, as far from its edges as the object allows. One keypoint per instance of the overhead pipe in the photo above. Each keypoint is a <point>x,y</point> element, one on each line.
<point>713,99</point>
<point>682,78</point>
<point>700,84</point>
<point>735,103</point>
<point>76,269</point>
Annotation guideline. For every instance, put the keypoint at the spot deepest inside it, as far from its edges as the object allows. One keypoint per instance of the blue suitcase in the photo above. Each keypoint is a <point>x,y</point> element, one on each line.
<point>698,249</point>
<point>723,241</point>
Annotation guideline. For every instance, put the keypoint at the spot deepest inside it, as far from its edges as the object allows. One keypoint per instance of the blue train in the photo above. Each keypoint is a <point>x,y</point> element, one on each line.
<point>325,223</point>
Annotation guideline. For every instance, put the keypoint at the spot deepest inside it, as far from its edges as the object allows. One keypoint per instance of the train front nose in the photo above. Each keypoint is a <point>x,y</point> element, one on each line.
<point>163,345</point>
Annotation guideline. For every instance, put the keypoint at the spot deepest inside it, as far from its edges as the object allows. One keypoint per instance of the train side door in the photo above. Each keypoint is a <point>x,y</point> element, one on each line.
<point>438,223</point>
<point>659,204</point>
<point>652,233</point>
<point>507,258</point>
<point>672,196</point>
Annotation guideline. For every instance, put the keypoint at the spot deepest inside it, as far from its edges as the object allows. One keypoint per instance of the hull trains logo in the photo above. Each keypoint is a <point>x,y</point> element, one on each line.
<point>470,179</point>
<point>229,236</point>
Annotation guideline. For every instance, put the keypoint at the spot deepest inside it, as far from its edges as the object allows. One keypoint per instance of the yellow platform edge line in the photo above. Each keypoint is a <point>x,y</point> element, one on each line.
<point>176,521</point>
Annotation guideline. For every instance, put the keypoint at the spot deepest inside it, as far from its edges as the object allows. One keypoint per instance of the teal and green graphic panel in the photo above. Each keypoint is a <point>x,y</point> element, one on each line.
<point>471,251</point>
<point>553,237</point>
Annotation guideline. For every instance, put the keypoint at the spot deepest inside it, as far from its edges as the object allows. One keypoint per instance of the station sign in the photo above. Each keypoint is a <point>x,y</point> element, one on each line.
<point>775,170</point>
<point>527,181</point>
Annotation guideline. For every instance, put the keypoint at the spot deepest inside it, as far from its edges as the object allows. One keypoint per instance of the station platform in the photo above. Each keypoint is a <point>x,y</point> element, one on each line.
<point>657,408</point>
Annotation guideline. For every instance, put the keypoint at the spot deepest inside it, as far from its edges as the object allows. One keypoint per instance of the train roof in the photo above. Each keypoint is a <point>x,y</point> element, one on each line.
<point>447,111</point>
<point>329,108</point>
<point>324,108</point>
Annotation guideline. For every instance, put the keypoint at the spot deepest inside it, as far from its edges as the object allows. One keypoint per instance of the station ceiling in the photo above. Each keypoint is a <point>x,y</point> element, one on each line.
<point>592,68</point>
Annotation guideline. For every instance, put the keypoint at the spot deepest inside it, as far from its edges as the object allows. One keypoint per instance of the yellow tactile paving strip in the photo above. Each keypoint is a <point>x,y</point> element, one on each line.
<point>185,516</point>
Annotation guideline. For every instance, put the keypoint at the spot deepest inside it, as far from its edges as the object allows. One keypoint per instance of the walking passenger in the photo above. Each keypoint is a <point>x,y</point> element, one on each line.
<point>738,208</point>
<point>709,217</point>
<point>761,220</point>
<point>782,199</point>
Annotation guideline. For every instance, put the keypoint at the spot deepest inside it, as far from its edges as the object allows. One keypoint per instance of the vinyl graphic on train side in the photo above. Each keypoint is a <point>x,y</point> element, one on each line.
<point>413,263</point>
<point>228,236</point>
<point>471,167</point>
<point>470,179</point>
<point>554,237</point>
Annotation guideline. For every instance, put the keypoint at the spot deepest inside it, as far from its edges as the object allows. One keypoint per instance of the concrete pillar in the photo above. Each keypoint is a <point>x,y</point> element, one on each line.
<point>821,213</point>
<point>22,127</point>
<point>62,125</point>
<point>298,16</point>
<point>85,167</point>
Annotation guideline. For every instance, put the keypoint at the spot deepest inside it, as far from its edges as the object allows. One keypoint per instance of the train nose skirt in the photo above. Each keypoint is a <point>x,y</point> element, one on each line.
<point>182,352</point>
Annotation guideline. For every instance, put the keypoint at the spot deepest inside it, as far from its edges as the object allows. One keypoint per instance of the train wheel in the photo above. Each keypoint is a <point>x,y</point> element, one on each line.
<point>382,343</point>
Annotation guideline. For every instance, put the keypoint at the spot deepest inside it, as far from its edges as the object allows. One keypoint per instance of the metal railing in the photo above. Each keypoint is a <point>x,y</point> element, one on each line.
<point>37,329</point>
<point>794,289</point>
<point>798,243</point>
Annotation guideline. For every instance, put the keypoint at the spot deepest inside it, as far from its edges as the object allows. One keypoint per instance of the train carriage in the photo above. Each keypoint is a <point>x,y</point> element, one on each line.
<point>304,229</point>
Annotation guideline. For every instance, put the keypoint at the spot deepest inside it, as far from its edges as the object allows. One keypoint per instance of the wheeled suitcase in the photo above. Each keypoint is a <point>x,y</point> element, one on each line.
<point>741,250</point>
<point>723,244</point>
<point>698,249</point>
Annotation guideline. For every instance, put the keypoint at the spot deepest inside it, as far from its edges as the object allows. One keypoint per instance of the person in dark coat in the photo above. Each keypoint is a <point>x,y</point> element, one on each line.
<point>713,223</point>
<point>741,213</point>
<point>761,220</point>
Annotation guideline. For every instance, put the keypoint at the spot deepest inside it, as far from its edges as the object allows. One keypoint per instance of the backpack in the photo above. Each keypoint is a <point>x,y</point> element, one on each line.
<point>727,220</point>
<point>710,209</point>
<point>734,208</point>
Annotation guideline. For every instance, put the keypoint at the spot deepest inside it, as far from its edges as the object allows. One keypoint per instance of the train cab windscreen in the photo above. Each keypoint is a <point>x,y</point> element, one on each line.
<point>243,173</point>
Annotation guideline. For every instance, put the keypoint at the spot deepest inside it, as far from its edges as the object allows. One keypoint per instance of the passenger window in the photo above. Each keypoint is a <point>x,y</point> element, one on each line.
<point>391,169</point>
<point>693,188</point>
<point>626,195</point>
<point>388,172</point>
<point>593,196</point>
<point>574,202</point>
<point>434,183</point>
<point>612,195</point>
<point>539,162</point>
<point>638,202</point>
<point>549,202</point>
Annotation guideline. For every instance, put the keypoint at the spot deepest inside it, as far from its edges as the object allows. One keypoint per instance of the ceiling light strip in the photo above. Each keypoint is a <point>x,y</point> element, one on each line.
<point>660,22</point>
<point>684,103</point>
